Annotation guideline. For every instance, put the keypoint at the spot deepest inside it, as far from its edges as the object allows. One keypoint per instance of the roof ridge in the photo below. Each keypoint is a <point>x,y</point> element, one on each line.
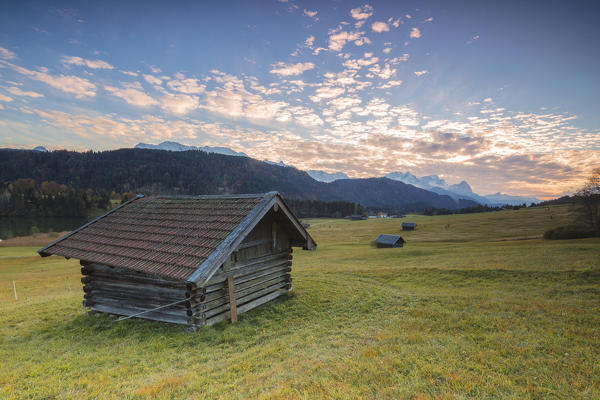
<point>217,196</point>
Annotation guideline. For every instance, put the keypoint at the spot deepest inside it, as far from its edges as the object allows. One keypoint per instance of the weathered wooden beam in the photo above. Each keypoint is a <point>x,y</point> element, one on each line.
<point>157,316</point>
<point>252,243</point>
<point>232,305</point>
<point>274,233</point>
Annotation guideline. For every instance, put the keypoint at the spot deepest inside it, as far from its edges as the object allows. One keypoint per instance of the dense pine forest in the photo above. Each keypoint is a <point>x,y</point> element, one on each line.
<point>28,198</point>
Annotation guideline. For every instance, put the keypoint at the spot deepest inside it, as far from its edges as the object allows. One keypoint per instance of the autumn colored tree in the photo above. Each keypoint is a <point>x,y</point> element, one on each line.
<point>588,201</point>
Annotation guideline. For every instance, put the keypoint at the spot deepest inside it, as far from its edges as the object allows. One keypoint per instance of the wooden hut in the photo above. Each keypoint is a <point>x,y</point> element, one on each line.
<point>356,217</point>
<point>186,260</point>
<point>384,240</point>
<point>409,226</point>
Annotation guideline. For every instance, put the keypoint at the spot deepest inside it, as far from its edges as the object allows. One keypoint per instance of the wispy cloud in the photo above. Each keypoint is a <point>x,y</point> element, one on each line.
<point>179,104</point>
<point>79,87</point>
<point>18,92</point>
<point>94,64</point>
<point>188,86</point>
<point>421,73</point>
<point>283,69</point>
<point>133,96</point>
<point>7,54</point>
<point>151,79</point>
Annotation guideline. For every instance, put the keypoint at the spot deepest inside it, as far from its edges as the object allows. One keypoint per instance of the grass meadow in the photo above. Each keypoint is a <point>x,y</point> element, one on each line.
<point>474,306</point>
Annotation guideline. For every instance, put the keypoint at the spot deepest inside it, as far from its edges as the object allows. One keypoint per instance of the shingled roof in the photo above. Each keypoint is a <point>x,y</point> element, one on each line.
<point>391,240</point>
<point>185,238</point>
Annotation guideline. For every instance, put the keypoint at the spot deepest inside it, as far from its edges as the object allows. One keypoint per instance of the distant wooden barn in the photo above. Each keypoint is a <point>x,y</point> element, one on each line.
<point>384,240</point>
<point>186,260</point>
<point>409,226</point>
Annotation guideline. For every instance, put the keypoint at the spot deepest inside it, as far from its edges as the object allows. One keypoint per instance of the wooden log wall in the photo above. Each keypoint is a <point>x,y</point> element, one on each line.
<point>125,292</point>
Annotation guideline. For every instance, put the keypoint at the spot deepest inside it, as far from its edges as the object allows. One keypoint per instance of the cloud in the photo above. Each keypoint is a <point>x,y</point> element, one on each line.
<point>130,73</point>
<point>415,33</point>
<point>5,98</point>
<point>18,92</point>
<point>390,84</point>
<point>326,92</point>
<point>151,79</point>
<point>380,27</point>
<point>473,39</point>
<point>361,62</point>
<point>132,96</point>
<point>7,54</point>
<point>383,73</point>
<point>398,60</point>
<point>311,14</point>
<point>429,19</point>
<point>94,64</point>
<point>188,86</point>
<point>283,69</point>
<point>363,12</point>
<point>179,104</point>
<point>338,39</point>
<point>421,73</point>
<point>79,87</point>
<point>309,42</point>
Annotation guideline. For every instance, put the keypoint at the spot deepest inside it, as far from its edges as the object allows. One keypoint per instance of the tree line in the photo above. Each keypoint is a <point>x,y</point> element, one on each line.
<point>27,198</point>
<point>323,209</point>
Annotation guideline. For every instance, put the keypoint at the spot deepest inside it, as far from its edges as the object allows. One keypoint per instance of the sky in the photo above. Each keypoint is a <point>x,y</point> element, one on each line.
<point>504,95</point>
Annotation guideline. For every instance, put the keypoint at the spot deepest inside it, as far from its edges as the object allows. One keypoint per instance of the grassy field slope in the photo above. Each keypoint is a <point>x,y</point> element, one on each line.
<point>474,306</point>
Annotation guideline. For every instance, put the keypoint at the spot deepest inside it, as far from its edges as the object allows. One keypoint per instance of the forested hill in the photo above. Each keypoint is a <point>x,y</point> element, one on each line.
<point>196,172</point>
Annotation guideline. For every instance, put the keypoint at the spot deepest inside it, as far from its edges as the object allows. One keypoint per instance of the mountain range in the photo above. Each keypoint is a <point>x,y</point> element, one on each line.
<point>430,183</point>
<point>174,146</point>
<point>200,172</point>
<point>460,190</point>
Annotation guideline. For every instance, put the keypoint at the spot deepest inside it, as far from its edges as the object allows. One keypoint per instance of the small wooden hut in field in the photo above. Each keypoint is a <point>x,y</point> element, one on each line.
<point>186,260</point>
<point>384,240</point>
<point>409,226</point>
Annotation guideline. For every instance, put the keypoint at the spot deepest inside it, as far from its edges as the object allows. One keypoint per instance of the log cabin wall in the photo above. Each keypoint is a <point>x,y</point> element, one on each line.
<point>127,292</point>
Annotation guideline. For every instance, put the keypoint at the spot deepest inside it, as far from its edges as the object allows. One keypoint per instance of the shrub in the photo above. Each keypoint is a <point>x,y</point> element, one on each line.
<point>569,232</point>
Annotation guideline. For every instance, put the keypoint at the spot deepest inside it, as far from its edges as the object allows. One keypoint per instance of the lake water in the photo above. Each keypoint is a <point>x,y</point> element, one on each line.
<point>24,226</point>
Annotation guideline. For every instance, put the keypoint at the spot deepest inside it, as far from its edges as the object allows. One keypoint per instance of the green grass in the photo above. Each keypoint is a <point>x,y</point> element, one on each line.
<point>481,309</point>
